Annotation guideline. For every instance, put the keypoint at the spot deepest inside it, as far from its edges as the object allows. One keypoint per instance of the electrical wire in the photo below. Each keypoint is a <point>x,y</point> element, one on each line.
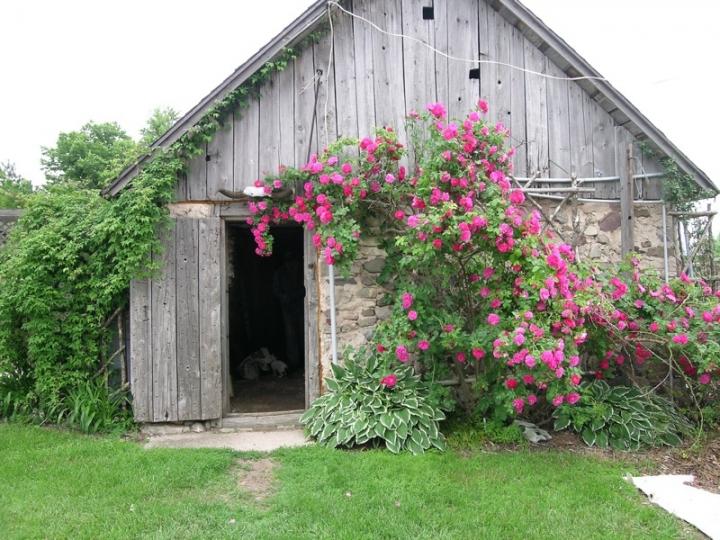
<point>455,58</point>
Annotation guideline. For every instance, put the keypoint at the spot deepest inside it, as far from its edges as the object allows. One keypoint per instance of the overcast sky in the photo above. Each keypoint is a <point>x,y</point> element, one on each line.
<point>63,63</point>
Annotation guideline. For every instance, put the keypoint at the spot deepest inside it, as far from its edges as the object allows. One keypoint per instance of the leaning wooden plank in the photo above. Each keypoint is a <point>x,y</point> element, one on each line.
<point>364,68</point>
<point>518,134</point>
<point>388,62</point>
<point>536,112</point>
<point>246,144</point>
<point>188,335</point>
<point>463,39</point>
<point>269,127</point>
<point>220,164</point>
<point>141,375</point>
<point>326,121</point>
<point>558,124</point>
<point>305,82</point>
<point>211,300</point>
<point>164,334</point>
<point>197,177</point>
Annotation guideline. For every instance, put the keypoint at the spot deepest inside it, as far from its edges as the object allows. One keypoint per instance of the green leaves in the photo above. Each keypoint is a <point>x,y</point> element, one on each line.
<point>357,410</point>
<point>623,418</point>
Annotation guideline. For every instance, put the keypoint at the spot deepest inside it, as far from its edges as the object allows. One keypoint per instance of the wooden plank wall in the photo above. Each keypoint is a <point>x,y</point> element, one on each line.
<point>175,325</point>
<point>376,79</point>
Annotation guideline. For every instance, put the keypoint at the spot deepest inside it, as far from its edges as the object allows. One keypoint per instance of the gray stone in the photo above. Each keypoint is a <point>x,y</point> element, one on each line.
<point>656,251</point>
<point>367,321</point>
<point>384,300</point>
<point>642,211</point>
<point>591,230</point>
<point>646,243</point>
<point>375,266</point>
<point>560,218</point>
<point>367,292</point>
<point>197,427</point>
<point>533,433</point>
<point>368,280</point>
<point>595,251</point>
<point>610,222</point>
<point>368,312</point>
<point>383,312</point>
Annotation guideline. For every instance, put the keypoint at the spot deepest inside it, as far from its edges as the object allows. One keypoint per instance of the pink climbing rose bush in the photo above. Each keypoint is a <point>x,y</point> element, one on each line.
<point>482,292</point>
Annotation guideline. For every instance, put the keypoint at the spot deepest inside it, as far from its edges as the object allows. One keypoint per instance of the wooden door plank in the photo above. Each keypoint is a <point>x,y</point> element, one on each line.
<point>312,318</point>
<point>164,334</point>
<point>210,307</point>
<point>419,64</point>
<point>603,152</point>
<point>581,163</point>
<point>188,334</point>
<point>286,86</point>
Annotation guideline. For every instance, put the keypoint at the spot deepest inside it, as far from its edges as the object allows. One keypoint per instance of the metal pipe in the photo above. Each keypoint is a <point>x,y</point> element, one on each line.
<point>666,263</point>
<point>333,326</point>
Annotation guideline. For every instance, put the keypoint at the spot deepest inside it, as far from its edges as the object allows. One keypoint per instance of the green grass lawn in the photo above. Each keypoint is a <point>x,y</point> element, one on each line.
<point>61,485</point>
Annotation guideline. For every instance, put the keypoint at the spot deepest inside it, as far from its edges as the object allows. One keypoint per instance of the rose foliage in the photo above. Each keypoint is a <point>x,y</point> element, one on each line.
<point>480,291</point>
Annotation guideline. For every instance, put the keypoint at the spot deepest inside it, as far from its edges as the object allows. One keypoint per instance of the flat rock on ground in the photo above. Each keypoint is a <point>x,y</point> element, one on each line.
<point>261,441</point>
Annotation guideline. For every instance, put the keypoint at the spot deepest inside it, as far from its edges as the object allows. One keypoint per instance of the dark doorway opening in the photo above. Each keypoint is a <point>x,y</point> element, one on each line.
<point>267,322</point>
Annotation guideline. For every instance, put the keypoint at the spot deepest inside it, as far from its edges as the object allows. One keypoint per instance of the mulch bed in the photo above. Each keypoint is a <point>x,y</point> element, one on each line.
<point>702,459</point>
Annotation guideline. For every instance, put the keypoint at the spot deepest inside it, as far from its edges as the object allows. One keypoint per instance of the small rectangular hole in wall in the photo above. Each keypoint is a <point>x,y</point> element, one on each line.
<point>207,157</point>
<point>475,73</point>
<point>428,13</point>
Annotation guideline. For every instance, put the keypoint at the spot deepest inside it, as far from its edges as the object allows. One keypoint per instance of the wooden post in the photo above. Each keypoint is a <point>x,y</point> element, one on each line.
<point>624,169</point>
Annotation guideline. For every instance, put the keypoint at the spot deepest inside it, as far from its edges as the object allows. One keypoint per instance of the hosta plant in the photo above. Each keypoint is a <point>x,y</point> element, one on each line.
<point>365,404</point>
<point>622,418</point>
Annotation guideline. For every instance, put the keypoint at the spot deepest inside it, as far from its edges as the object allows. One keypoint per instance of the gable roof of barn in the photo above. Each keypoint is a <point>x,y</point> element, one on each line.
<point>555,48</point>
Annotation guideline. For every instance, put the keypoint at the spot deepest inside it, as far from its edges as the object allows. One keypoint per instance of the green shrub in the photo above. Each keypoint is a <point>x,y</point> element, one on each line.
<point>623,418</point>
<point>359,409</point>
<point>469,432</point>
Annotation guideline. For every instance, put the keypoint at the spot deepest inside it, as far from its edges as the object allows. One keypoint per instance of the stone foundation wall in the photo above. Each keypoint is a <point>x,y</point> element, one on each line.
<point>7,220</point>
<point>361,302</point>
<point>595,229</point>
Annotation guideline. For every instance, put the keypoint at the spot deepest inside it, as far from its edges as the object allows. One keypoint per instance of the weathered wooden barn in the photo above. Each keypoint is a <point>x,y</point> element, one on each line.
<point>216,303</point>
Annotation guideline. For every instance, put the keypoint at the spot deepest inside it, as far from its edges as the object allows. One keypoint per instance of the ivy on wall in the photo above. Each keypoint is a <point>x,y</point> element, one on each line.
<point>68,264</point>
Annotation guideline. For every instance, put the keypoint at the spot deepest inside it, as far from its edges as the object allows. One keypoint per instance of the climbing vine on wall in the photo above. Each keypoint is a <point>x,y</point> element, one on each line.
<point>69,261</point>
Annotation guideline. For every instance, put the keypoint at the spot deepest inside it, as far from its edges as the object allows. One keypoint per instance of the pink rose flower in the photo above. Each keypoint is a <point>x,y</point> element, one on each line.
<point>412,315</point>
<point>389,381</point>
<point>423,345</point>
<point>493,319</point>
<point>401,354</point>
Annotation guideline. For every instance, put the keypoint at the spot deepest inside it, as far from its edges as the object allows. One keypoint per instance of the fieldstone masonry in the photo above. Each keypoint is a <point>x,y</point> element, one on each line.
<point>361,301</point>
<point>7,220</point>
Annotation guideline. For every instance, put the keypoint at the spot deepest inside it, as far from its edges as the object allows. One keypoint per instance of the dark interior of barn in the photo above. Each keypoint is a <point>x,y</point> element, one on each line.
<point>267,326</point>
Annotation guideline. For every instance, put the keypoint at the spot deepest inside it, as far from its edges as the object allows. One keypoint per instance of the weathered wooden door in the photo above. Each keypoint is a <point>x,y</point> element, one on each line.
<point>175,327</point>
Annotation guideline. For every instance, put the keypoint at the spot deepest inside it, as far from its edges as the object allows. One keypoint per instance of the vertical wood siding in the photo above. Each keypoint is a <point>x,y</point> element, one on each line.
<point>175,325</point>
<point>375,79</point>
<point>363,78</point>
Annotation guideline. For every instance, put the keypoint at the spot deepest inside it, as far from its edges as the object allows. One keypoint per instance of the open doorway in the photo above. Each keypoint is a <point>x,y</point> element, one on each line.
<point>266,300</point>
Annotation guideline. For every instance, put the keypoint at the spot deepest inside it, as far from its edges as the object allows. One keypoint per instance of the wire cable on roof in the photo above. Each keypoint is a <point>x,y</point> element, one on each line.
<point>465,60</point>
